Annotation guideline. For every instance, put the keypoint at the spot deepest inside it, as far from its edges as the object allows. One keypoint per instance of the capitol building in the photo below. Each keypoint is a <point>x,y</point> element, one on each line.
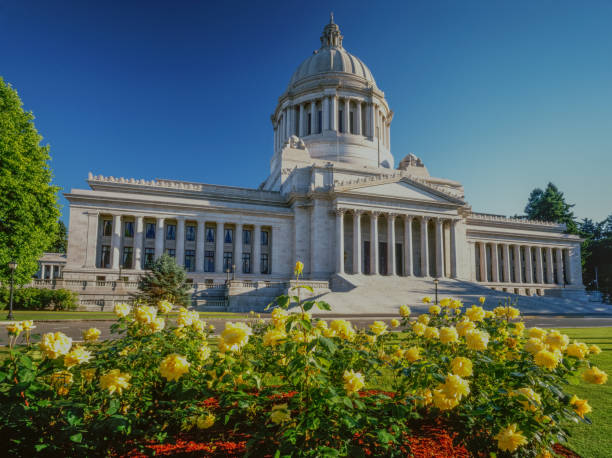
<point>335,199</point>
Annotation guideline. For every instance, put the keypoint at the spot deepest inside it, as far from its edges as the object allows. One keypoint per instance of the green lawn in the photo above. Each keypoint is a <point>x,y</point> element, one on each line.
<point>48,315</point>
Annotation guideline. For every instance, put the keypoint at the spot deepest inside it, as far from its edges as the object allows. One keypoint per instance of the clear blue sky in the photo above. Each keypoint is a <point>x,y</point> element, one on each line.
<point>501,96</point>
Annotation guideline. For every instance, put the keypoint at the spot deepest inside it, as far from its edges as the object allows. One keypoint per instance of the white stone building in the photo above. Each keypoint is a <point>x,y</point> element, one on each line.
<point>333,200</point>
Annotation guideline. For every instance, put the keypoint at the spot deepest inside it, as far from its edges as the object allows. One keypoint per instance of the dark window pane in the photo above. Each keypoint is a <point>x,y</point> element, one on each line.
<point>246,263</point>
<point>149,257</point>
<point>126,262</point>
<point>171,252</point>
<point>209,261</point>
<point>227,261</point>
<point>150,232</point>
<point>171,232</point>
<point>264,237</point>
<point>190,232</point>
<point>105,258</point>
<point>210,235</point>
<point>264,264</point>
<point>246,237</point>
<point>189,260</point>
<point>128,229</point>
<point>107,228</point>
<point>229,236</point>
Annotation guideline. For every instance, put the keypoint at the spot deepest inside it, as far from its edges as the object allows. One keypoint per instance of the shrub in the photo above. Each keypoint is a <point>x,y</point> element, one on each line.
<point>39,299</point>
<point>165,281</point>
<point>297,386</point>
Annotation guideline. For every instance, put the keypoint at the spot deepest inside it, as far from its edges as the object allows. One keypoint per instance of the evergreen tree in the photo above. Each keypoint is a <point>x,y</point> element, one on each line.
<point>165,281</point>
<point>28,201</point>
<point>60,243</point>
<point>597,254</point>
<point>550,205</point>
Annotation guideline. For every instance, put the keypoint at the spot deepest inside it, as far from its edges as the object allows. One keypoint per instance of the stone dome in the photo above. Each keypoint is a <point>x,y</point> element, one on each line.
<point>332,58</point>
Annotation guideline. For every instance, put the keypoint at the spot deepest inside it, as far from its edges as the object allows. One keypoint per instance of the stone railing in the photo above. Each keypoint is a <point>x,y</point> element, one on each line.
<point>83,285</point>
<point>507,219</point>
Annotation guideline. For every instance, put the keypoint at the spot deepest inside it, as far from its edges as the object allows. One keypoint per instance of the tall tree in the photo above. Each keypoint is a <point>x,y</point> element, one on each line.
<point>597,254</point>
<point>28,202</point>
<point>165,281</point>
<point>550,205</point>
<point>60,242</point>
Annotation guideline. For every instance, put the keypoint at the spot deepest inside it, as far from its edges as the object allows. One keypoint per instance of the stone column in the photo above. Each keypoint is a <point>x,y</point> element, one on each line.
<point>333,113</point>
<point>453,248</point>
<point>506,261</point>
<point>290,118</point>
<point>371,129</point>
<point>180,241</point>
<point>539,265</point>
<point>200,242</point>
<point>550,270</point>
<point>357,117</point>
<point>439,248</point>
<point>340,241</point>
<point>374,243</point>
<point>93,223</point>
<point>528,265</point>
<point>301,121</point>
<point>256,249</point>
<point>559,262</point>
<point>219,248</point>
<point>391,244</point>
<point>484,268</point>
<point>494,263</point>
<point>116,242</point>
<point>517,264</point>
<point>138,238</point>
<point>347,109</point>
<point>313,127</point>
<point>424,248</point>
<point>325,113</point>
<point>159,238</point>
<point>567,267</point>
<point>238,248</point>
<point>356,241</point>
<point>408,246</point>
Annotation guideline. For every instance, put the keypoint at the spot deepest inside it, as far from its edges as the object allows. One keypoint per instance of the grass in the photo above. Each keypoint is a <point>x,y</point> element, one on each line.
<point>60,315</point>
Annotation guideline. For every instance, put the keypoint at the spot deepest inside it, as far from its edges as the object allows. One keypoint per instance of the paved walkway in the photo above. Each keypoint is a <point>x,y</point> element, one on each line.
<point>74,328</point>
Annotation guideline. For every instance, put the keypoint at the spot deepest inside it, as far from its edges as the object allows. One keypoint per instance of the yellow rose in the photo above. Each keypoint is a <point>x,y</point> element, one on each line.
<point>158,324</point>
<point>55,345</point>
<point>279,317</point>
<point>299,267</point>
<point>404,311</point>
<point>413,354</point>
<point>424,319</point>
<point>198,325</point>
<point>173,367</point>
<point>28,325</point>
<point>343,329</point>
<point>477,340</point>
<point>455,304</point>
<point>426,300</point>
<point>91,334</point>
<point>164,306</point>
<point>273,336</point>
<point>594,350</point>
<point>88,375</point>
<point>509,438</point>
<point>507,312</point>
<point>481,300</point>
<point>556,341</point>
<point>122,310</point>
<point>434,310</point>
<point>518,329</point>
<point>280,414</point>
<point>205,421</point>
<point>378,328</point>
<point>442,402</point>
<point>455,387</point>
<point>547,359</point>
<point>419,328</point>
<point>427,396</point>
<point>445,302</point>
<point>595,375</point>
<point>533,398</point>
<point>461,366</point>
<point>463,327</point>
<point>448,335</point>
<point>432,333</point>
<point>321,324</point>
<point>78,355</point>
<point>234,337</point>
<point>61,381</point>
<point>14,329</point>
<point>581,406</point>
<point>187,317</point>
<point>489,314</point>
<point>115,381</point>
<point>145,314</point>
<point>475,313</point>
<point>577,350</point>
<point>534,345</point>
<point>353,381</point>
<point>538,333</point>
<point>203,353</point>
<point>395,323</point>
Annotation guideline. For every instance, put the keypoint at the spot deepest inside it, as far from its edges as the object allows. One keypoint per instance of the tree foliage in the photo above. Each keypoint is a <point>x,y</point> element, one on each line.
<point>165,281</point>
<point>60,242</point>
<point>28,201</point>
<point>597,253</point>
<point>550,205</point>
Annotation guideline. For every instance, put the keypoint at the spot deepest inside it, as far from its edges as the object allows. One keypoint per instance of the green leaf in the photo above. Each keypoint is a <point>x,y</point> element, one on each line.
<point>328,344</point>
<point>113,407</point>
<point>40,447</point>
<point>308,305</point>
<point>323,305</point>
<point>306,287</point>
<point>78,437</point>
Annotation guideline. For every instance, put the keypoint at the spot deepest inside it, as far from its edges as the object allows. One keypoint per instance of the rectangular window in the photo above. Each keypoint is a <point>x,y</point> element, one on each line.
<point>264,238</point>
<point>319,121</point>
<point>227,261</point>
<point>128,229</point>
<point>149,257</point>
<point>340,117</point>
<point>309,130</point>
<point>210,235</point>
<point>246,263</point>
<point>265,268</point>
<point>351,123</point>
<point>171,232</point>
<point>190,232</point>
<point>171,252</point>
<point>189,260</point>
<point>150,231</point>
<point>246,237</point>
<point>209,261</point>
<point>126,260</point>
<point>229,236</point>
<point>105,258</point>
<point>107,227</point>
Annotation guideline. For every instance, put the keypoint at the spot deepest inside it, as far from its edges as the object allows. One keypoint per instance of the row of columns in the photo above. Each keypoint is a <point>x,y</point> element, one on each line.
<point>50,271</point>
<point>391,241</point>
<point>160,235</point>
<point>550,256</point>
<point>293,119</point>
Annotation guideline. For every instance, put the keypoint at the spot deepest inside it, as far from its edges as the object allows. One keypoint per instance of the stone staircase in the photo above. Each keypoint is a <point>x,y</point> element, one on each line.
<point>382,295</point>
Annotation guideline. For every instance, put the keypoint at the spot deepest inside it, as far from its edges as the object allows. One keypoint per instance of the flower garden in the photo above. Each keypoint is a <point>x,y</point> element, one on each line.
<point>471,380</point>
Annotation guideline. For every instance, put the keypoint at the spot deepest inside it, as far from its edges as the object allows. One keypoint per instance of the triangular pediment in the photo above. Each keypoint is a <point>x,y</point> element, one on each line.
<point>401,188</point>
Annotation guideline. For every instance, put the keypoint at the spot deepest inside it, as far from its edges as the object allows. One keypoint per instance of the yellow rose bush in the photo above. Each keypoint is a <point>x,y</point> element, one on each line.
<point>295,385</point>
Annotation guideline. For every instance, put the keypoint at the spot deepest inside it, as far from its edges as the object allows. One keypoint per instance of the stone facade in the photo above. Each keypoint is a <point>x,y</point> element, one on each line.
<point>332,200</point>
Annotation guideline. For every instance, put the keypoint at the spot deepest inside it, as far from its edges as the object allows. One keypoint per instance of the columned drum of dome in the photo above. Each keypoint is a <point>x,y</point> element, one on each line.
<point>333,104</point>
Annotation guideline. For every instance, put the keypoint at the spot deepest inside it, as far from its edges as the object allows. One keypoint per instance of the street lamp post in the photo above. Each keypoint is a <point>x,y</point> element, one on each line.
<point>12,266</point>
<point>436,285</point>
